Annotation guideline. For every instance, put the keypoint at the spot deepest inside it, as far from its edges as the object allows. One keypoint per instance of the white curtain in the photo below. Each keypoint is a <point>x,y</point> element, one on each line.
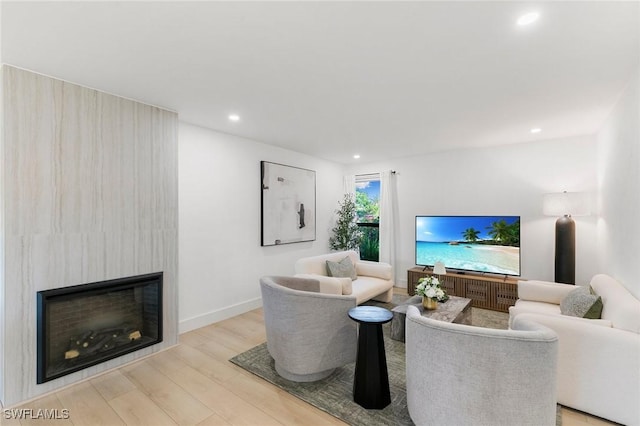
<point>350,185</point>
<point>388,217</point>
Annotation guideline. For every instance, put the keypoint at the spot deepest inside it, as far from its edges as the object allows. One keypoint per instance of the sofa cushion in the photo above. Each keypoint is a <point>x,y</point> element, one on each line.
<point>343,268</point>
<point>581,302</point>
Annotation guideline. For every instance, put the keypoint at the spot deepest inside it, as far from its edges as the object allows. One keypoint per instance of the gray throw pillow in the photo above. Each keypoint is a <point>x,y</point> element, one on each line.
<point>582,303</point>
<point>344,268</point>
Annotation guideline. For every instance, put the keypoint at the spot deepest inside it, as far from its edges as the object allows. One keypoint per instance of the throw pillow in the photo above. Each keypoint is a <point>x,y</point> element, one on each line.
<point>582,303</point>
<point>344,268</point>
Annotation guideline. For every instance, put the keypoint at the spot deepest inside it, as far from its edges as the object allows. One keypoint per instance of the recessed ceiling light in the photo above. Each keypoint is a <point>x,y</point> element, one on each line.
<point>356,156</point>
<point>536,130</point>
<point>234,117</point>
<point>528,18</point>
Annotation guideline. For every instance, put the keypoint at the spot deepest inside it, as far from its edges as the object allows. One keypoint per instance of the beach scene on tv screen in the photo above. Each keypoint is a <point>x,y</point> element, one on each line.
<point>472,243</point>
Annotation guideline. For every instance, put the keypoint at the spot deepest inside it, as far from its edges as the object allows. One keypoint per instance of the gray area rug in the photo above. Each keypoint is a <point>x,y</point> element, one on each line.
<point>334,394</point>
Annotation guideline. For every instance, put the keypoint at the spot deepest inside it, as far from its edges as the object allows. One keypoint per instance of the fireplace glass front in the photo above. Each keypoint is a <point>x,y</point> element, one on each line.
<point>87,324</point>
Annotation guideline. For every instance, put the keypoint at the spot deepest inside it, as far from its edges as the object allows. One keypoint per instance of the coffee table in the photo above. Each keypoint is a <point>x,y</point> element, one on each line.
<point>456,309</point>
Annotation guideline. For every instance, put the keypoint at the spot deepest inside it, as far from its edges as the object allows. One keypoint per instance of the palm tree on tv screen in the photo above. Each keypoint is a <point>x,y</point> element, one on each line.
<point>471,235</point>
<point>514,233</point>
<point>499,230</point>
<point>504,233</point>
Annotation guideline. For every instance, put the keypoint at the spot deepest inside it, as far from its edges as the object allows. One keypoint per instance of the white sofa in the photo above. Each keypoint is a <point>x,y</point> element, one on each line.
<point>599,359</point>
<point>374,279</point>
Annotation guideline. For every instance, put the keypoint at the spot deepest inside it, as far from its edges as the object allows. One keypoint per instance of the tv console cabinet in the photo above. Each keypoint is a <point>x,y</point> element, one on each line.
<point>488,292</point>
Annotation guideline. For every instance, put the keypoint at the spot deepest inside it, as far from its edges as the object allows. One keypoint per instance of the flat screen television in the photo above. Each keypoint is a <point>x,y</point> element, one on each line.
<point>484,244</point>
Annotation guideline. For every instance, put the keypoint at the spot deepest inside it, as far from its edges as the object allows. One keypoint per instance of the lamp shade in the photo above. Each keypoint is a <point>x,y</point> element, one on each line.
<point>439,269</point>
<point>566,203</point>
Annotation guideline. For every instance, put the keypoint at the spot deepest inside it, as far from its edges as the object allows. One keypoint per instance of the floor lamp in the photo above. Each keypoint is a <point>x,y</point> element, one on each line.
<point>566,204</point>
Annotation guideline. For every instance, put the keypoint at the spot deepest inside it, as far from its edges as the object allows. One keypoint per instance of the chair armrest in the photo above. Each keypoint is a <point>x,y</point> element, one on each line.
<point>374,269</point>
<point>331,285</point>
<point>516,311</point>
<point>543,291</point>
<point>566,322</point>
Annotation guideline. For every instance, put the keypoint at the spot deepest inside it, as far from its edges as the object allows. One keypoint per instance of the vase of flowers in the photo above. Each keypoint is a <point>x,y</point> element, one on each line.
<point>431,291</point>
<point>429,303</point>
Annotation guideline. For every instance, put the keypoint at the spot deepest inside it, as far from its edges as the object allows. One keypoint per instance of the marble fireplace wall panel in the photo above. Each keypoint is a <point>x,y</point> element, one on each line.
<point>90,193</point>
<point>2,261</point>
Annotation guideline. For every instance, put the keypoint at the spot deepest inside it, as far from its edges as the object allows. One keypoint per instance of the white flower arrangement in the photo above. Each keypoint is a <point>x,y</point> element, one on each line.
<point>430,287</point>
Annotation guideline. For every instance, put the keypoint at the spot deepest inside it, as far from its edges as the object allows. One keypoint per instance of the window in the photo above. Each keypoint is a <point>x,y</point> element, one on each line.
<point>368,210</point>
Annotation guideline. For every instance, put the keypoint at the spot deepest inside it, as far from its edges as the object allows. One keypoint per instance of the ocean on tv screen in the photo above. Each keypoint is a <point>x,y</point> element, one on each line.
<point>470,257</point>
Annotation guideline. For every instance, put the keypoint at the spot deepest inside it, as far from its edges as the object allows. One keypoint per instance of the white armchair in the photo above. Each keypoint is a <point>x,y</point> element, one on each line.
<point>309,334</point>
<point>463,375</point>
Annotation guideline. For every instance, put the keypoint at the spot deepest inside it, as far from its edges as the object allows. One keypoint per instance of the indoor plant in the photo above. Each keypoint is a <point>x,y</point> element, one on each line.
<point>431,291</point>
<point>346,234</point>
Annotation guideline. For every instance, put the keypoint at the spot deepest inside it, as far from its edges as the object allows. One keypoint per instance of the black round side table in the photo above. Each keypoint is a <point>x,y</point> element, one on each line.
<point>371,380</point>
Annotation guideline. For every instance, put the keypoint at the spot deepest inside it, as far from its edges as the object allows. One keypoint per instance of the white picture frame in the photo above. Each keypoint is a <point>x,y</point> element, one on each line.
<point>288,204</point>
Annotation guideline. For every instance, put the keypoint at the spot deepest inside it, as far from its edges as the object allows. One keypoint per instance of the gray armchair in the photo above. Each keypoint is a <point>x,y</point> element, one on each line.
<point>309,333</point>
<point>463,375</point>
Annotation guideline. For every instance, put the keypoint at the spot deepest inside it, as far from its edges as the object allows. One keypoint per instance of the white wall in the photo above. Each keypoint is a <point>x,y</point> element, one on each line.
<point>505,180</point>
<point>221,258</point>
<point>619,183</point>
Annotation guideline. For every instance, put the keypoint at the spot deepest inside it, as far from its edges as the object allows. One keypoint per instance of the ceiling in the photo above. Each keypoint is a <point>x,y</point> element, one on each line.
<point>332,79</point>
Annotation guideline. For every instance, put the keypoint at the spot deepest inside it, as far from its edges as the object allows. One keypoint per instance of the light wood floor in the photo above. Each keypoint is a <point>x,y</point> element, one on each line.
<point>194,384</point>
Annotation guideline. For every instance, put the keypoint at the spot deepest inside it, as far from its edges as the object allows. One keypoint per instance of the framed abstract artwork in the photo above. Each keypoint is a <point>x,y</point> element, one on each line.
<point>288,204</point>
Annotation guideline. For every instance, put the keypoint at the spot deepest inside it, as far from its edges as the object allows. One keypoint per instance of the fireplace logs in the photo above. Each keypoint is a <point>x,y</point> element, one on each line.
<point>103,340</point>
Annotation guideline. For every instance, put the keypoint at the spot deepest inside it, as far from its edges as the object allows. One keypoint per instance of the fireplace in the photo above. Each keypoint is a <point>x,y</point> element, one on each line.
<point>87,324</point>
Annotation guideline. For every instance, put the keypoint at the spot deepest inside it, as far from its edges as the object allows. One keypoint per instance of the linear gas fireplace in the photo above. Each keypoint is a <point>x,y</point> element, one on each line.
<point>87,324</point>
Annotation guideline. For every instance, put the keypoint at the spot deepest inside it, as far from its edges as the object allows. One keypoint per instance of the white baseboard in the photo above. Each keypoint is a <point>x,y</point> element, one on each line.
<point>218,315</point>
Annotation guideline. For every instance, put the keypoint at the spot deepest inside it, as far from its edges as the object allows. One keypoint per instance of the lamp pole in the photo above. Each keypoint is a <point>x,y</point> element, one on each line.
<point>565,268</point>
